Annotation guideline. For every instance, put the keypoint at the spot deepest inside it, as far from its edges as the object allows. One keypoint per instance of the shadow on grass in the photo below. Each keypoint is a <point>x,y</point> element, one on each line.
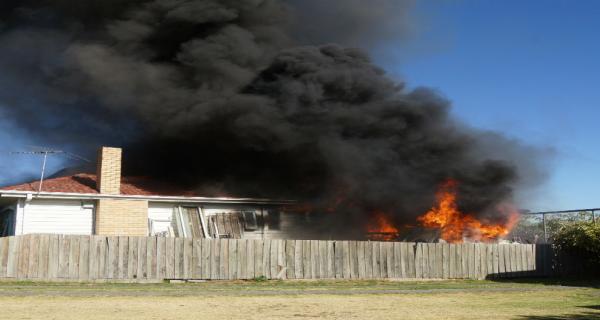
<point>588,315</point>
<point>579,316</point>
<point>585,282</point>
<point>596,307</point>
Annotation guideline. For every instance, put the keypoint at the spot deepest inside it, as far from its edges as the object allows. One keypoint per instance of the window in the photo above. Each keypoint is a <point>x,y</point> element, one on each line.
<point>274,219</point>
<point>7,222</point>
<point>186,222</point>
<point>250,222</point>
<point>227,225</point>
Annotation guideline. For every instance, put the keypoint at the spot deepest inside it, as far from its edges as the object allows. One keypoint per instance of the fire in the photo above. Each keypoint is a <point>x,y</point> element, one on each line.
<point>380,228</point>
<point>455,225</point>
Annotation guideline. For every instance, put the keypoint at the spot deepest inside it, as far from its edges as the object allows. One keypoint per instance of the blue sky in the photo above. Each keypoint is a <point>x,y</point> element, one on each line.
<point>529,69</point>
<point>17,167</point>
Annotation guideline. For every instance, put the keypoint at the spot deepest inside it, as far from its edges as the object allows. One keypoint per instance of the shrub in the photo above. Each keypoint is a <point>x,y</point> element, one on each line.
<point>579,238</point>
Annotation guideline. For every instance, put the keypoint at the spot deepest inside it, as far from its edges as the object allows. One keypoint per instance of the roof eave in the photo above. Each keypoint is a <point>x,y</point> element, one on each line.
<point>97,196</point>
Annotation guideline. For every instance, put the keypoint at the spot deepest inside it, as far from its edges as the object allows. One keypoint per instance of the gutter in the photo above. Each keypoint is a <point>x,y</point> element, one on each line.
<point>97,196</point>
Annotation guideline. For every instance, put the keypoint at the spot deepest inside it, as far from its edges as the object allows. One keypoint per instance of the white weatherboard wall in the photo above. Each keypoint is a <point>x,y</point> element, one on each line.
<point>161,213</point>
<point>54,216</point>
<point>159,216</point>
<point>292,225</point>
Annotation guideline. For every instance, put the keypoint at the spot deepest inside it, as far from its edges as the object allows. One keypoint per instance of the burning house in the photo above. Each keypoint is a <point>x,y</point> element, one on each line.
<point>108,204</point>
<point>238,98</point>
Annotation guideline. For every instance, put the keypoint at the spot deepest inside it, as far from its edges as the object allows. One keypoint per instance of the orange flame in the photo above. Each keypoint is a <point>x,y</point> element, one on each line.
<point>455,225</point>
<point>380,228</point>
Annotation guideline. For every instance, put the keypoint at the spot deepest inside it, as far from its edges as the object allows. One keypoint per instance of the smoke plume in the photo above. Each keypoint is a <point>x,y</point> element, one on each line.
<point>253,98</point>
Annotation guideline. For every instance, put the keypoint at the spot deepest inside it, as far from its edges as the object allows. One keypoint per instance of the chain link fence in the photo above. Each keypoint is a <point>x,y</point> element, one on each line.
<point>539,227</point>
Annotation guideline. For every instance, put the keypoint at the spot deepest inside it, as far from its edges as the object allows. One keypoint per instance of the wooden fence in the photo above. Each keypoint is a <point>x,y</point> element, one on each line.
<point>62,257</point>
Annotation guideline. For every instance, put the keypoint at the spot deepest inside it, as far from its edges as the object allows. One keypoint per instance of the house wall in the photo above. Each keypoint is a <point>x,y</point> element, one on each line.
<point>19,217</point>
<point>140,218</point>
<point>54,216</point>
<point>122,217</point>
<point>159,216</point>
<point>290,226</point>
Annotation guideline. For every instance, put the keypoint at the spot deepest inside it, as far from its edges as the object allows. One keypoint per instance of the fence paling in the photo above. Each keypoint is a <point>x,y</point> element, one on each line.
<point>65,257</point>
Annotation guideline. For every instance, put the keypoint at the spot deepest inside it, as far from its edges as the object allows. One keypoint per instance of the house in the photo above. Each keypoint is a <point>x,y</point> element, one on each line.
<point>108,204</point>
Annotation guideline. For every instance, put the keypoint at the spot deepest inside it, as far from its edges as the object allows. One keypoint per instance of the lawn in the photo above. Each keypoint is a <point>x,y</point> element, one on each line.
<point>303,299</point>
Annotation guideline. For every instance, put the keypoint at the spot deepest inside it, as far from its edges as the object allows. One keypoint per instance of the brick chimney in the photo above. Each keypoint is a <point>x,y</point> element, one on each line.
<point>109,170</point>
<point>115,216</point>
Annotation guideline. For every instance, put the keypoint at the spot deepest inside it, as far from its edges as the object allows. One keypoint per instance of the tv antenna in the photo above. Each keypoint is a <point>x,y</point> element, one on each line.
<point>45,152</point>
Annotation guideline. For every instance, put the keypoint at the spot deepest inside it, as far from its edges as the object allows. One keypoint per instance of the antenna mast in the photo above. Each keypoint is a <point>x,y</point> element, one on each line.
<point>43,171</point>
<point>45,152</point>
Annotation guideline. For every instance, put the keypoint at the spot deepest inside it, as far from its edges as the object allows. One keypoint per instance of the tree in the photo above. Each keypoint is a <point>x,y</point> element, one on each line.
<point>579,238</point>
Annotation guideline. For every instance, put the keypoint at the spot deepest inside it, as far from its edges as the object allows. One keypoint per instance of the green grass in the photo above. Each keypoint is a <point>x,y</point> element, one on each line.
<point>319,285</point>
<point>524,299</point>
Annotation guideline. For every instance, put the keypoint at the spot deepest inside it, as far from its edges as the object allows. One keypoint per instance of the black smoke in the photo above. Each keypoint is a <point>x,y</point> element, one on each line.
<point>250,98</point>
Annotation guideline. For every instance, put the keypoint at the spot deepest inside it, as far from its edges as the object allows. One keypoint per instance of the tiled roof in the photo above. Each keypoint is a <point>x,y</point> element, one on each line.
<point>86,183</point>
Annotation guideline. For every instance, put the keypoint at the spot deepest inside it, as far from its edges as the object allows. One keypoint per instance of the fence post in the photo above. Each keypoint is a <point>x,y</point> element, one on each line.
<point>545,231</point>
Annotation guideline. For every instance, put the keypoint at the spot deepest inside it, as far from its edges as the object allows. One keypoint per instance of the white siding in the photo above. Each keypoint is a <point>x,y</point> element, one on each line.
<point>159,215</point>
<point>55,216</point>
<point>19,220</point>
<point>291,225</point>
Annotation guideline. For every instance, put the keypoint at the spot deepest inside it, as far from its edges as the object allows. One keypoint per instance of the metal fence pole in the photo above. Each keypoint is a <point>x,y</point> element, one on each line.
<point>545,231</point>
